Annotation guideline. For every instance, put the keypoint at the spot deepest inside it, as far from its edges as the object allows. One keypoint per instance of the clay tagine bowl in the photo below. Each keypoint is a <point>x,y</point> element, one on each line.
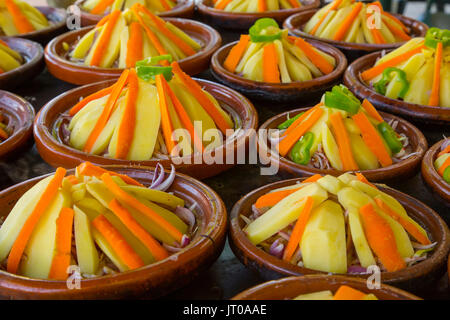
<point>57,19</point>
<point>412,278</point>
<point>291,287</point>
<point>416,112</point>
<point>296,22</point>
<point>153,280</point>
<point>243,21</point>
<point>19,115</point>
<point>33,55</point>
<point>77,73</point>
<point>184,9</point>
<point>404,168</point>
<point>432,177</point>
<point>58,154</point>
<point>297,90</point>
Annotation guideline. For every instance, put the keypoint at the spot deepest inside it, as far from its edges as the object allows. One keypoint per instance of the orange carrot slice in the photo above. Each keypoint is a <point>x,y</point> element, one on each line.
<point>371,111</point>
<point>347,293</point>
<point>345,25</point>
<point>295,3</point>
<point>381,238</point>
<point>102,21</point>
<point>19,19</point>
<point>411,228</point>
<point>362,178</point>
<point>222,4</point>
<point>387,14</point>
<point>101,6</point>
<point>134,45</point>
<point>313,178</point>
<point>165,5</point>
<point>4,43</point>
<point>61,260</point>
<point>236,53</point>
<point>372,139</point>
<point>444,166</point>
<point>118,243</point>
<point>72,179</point>
<point>333,6</point>
<point>97,95</point>
<point>397,31</point>
<point>105,36</point>
<point>300,119</point>
<point>299,228</point>
<point>343,141</point>
<point>434,96</point>
<point>271,73</point>
<point>318,60</point>
<point>262,6</point>
<point>166,123</point>
<point>27,229</point>
<point>134,203</point>
<point>90,170</point>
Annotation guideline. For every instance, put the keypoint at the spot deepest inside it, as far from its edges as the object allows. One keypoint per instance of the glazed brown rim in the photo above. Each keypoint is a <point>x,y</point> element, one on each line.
<point>352,79</point>
<point>210,237</point>
<point>294,22</point>
<point>58,154</point>
<point>431,176</point>
<point>240,82</point>
<point>396,170</point>
<point>21,112</point>
<point>57,24</point>
<point>251,255</point>
<point>291,287</point>
<point>65,70</point>
<point>183,9</point>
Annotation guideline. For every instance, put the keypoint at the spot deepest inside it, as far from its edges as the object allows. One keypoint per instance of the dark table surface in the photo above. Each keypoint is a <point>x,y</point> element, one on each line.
<point>227,276</point>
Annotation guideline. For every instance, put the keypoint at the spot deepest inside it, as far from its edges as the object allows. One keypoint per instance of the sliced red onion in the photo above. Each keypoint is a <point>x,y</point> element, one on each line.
<point>186,215</point>
<point>168,182</point>
<point>158,176</point>
<point>356,269</point>
<point>284,235</point>
<point>185,240</point>
<point>171,248</point>
<point>277,249</point>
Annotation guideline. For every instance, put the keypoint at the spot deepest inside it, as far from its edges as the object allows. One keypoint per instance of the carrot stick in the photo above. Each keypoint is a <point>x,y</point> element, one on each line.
<point>300,119</point>
<point>102,21</point>
<point>387,14</point>
<point>411,228</point>
<point>343,141</point>
<point>134,45</point>
<point>72,179</point>
<point>165,5</point>
<point>166,122</point>
<point>88,169</point>
<point>288,142</point>
<point>381,238</point>
<point>195,89</point>
<point>27,229</point>
<point>299,228</point>
<point>271,73</point>
<point>345,25</point>
<point>121,247</point>
<point>378,69</point>
<point>348,293</point>
<point>444,166</point>
<point>313,178</point>
<point>101,6</point>
<point>97,95</point>
<point>107,110</point>
<point>104,39</point>
<point>4,43</point>
<point>157,251</point>
<point>61,260</point>
<point>446,150</point>
<point>222,4</point>
<point>262,6</point>
<point>318,60</point>
<point>434,96</point>
<point>334,6</point>
<point>295,3</point>
<point>19,19</point>
<point>3,134</point>
<point>1,71</point>
<point>397,31</point>
<point>134,203</point>
<point>236,53</point>
<point>372,139</point>
<point>362,178</point>
<point>370,109</point>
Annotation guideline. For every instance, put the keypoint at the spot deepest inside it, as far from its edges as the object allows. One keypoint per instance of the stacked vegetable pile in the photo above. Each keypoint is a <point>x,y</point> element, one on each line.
<point>4,128</point>
<point>417,72</point>
<point>339,225</point>
<point>268,54</point>
<point>98,220</point>
<point>9,58</point>
<point>341,133</point>
<point>17,17</point>
<point>144,112</point>
<point>241,6</point>
<point>343,293</point>
<point>121,39</point>
<point>349,21</point>
<point>442,162</point>
<point>102,7</point>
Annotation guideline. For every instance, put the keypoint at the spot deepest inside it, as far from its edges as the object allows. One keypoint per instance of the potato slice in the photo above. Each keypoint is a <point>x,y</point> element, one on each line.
<point>87,255</point>
<point>320,295</point>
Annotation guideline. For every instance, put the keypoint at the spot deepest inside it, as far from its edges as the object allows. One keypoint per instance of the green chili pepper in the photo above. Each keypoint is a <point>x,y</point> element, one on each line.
<point>256,31</point>
<point>342,98</point>
<point>390,136</point>
<point>446,174</point>
<point>380,86</point>
<point>288,122</point>
<point>436,35</point>
<point>147,69</point>
<point>300,153</point>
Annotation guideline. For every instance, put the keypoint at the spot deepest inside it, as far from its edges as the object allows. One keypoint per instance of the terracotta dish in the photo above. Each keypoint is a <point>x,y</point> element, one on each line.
<point>417,112</point>
<point>154,280</point>
<point>291,287</point>
<point>296,22</point>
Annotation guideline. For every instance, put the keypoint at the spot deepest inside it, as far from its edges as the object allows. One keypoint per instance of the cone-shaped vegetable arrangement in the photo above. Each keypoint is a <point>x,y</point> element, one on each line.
<point>338,225</point>
<point>98,220</point>
<point>343,293</point>
<point>341,133</point>
<point>417,72</point>
<point>241,6</point>
<point>350,21</point>
<point>18,17</point>
<point>121,39</point>
<point>442,162</point>
<point>101,7</point>
<point>269,54</point>
<point>9,58</point>
<point>145,113</point>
